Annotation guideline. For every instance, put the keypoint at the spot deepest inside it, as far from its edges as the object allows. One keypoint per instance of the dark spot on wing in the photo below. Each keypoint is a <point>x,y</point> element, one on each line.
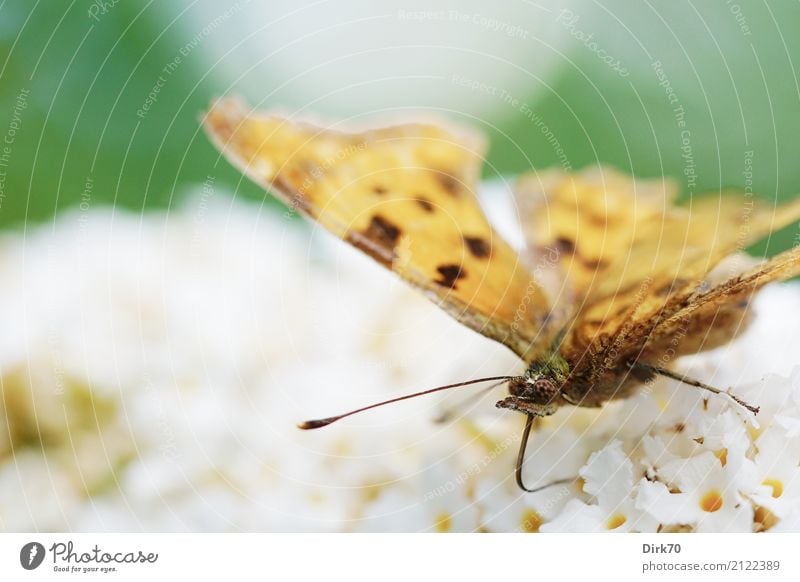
<point>379,190</point>
<point>598,219</point>
<point>377,240</point>
<point>565,245</point>
<point>449,275</point>
<point>426,204</point>
<point>593,264</point>
<point>450,184</point>
<point>382,232</point>
<point>478,246</point>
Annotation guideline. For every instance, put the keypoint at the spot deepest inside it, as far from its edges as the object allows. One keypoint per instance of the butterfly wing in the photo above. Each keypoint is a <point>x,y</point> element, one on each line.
<point>634,260</point>
<point>589,220</point>
<point>618,320</point>
<point>711,317</point>
<point>404,195</point>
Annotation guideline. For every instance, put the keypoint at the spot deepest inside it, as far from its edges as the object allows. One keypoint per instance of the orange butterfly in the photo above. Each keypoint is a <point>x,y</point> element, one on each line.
<point>640,281</point>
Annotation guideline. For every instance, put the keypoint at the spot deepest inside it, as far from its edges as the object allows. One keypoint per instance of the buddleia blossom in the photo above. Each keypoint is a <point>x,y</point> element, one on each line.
<point>153,369</point>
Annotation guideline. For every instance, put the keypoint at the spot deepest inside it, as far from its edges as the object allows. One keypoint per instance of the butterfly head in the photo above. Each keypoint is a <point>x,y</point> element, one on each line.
<point>539,389</point>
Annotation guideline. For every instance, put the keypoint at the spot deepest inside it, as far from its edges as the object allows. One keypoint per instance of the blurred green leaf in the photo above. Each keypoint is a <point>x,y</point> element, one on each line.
<point>80,137</point>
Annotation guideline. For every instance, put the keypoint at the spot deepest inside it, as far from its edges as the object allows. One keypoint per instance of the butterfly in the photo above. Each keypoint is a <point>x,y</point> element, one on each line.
<point>617,280</point>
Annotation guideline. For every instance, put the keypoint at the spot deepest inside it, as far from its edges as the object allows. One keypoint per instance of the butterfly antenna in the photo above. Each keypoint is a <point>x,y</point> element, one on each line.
<point>692,382</point>
<point>521,461</point>
<point>309,424</point>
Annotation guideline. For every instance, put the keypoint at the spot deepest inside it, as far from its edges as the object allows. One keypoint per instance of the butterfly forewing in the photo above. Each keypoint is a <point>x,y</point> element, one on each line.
<point>404,195</point>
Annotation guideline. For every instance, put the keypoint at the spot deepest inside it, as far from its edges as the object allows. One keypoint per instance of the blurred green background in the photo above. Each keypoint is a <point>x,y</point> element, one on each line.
<point>551,84</point>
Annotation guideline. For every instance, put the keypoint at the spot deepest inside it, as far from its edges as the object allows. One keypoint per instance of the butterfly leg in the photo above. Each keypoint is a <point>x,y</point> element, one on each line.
<point>651,369</point>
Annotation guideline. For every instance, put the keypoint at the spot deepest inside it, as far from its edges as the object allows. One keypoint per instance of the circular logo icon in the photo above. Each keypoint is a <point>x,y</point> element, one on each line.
<point>31,555</point>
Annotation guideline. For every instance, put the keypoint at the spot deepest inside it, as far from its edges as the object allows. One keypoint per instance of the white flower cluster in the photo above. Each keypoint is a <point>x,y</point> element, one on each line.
<point>152,370</point>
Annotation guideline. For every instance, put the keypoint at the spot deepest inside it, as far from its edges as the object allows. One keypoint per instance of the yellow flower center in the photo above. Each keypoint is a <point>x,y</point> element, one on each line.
<point>443,523</point>
<point>616,521</point>
<point>754,432</point>
<point>711,501</point>
<point>764,519</point>
<point>371,492</point>
<point>777,487</point>
<point>531,521</point>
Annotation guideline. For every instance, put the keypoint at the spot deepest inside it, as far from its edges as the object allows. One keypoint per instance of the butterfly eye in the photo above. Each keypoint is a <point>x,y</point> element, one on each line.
<point>545,390</point>
<point>538,389</point>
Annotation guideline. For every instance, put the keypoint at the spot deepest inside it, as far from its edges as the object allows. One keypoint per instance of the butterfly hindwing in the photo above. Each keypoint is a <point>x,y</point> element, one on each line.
<point>404,195</point>
<point>711,317</point>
